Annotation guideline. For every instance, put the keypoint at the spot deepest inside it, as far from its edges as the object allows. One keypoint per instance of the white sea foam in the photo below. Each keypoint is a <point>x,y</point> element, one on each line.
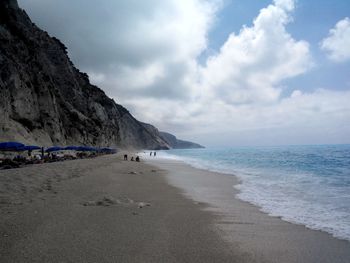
<point>300,196</point>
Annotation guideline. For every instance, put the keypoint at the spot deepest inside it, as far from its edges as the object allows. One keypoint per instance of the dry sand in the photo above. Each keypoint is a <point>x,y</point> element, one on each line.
<point>109,210</point>
<point>102,210</point>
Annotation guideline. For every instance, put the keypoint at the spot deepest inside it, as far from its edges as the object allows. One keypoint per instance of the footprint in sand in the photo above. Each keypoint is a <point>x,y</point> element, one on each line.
<point>109,201</point>
<point>105,201</point>
<point>143,204</point>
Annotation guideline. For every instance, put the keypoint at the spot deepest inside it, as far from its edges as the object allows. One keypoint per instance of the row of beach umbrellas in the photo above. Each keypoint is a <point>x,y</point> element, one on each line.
<point>19,147</point>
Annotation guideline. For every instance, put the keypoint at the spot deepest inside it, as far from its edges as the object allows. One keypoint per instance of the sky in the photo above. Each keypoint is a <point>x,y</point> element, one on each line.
<point>218,72</point>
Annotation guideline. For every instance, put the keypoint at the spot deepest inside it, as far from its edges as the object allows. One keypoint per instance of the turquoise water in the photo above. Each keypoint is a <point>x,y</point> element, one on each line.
<point>308,185</point>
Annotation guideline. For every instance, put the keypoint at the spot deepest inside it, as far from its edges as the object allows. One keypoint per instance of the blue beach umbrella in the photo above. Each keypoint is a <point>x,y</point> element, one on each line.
<point>54,149</point>
<point>81,149</point>
<point>98,150</point>
<point>31,148</point>
<point>11,146</point>
<point>91,149</point>
<point>71,148</point>
<point>104,149</point>
<point>108,150</point>
<point>86,149</point>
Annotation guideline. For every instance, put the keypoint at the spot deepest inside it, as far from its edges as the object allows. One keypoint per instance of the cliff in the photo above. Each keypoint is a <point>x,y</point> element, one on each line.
<point>44,99</point>
<point>176,143</point>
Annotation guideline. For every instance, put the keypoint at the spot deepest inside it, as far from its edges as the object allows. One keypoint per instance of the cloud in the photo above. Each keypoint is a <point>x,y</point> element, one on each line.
<point>300,118</point>
<point>251,64</point>
<point>337,44</point>
<point>287,5</point>
<point>135,45</point>
<point>145,55</point>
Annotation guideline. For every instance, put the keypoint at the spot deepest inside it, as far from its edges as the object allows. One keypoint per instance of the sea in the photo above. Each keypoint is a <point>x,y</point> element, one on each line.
<point>308,185</point>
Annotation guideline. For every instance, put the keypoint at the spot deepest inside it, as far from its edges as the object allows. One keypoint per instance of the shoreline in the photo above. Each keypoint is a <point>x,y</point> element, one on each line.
<point>237,192</point>
<point>245,224</point>
<point>109,210</point>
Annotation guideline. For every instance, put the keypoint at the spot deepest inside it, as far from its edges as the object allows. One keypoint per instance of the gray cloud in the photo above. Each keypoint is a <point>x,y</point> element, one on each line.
<point>100,34</point>
<point>120,42</point>
<point>145,55</point>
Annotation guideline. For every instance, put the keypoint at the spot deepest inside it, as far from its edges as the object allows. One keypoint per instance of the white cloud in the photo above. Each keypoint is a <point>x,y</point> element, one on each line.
<point>146,57</point>
<point>288,5</point>
<point>337,44</point>
<point>300,118</point>
<point>167,44</point>
<point>296,93</point>
<point>251,64</point>
<point>133,44</point>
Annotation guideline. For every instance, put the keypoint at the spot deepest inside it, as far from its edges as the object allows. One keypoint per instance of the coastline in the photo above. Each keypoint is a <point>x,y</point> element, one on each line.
<point>109,210</point>
<point>246,226</point>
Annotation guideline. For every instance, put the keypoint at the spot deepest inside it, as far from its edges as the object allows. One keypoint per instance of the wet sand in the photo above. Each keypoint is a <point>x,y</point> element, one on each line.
<point>109,210</point>
<point>262,237</point>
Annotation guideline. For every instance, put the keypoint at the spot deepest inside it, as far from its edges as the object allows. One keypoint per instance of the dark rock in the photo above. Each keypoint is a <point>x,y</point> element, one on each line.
<point>171,140</point>
<point>175,143</point>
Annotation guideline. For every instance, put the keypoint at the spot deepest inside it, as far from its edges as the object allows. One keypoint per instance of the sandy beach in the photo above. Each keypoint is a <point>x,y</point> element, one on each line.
<point>109,210</point>
<point>102,210</point>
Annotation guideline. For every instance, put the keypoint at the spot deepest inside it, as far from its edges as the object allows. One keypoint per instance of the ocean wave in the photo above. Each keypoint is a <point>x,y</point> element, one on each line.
<point>293,187</point>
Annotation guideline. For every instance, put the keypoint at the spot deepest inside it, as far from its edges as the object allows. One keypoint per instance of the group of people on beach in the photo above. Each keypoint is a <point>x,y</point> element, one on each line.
<point>137,159</point>
<point>12,160</point>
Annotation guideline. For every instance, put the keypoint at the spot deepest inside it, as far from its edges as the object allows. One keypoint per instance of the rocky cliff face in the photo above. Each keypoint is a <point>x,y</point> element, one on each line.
<point>44,99</point>
<point>176,143</point>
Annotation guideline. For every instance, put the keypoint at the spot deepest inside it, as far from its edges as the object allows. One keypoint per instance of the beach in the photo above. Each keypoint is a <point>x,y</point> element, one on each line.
<point>109,210</point>
<point>262,237</point>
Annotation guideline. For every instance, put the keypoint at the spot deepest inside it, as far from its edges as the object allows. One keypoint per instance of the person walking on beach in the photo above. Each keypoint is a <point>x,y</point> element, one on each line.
<point>150,154</point>
<point>154,154</point>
